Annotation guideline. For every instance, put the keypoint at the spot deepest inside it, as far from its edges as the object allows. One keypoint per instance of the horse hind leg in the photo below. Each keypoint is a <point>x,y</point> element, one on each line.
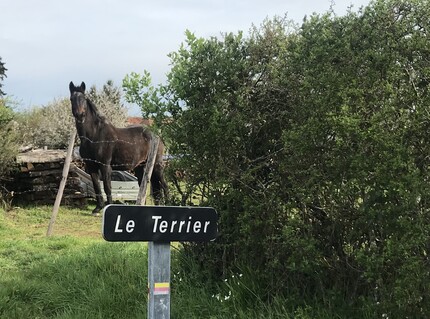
<point>138,172</point>
<point>107,183</point>
<point>158,184</point>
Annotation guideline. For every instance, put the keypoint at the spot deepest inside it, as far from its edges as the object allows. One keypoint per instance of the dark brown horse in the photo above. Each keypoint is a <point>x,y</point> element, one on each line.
<point>105,147</point>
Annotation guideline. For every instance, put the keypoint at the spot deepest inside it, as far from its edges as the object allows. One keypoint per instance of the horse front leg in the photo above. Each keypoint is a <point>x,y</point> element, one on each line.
<point>107,183</point>
<point>98,192</point>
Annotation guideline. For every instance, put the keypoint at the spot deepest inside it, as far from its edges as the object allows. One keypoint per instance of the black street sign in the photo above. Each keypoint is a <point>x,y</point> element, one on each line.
<point>159,223</point>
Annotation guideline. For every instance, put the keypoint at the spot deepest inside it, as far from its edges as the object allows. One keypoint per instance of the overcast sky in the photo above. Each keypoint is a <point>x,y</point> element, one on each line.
<point>46,44</point>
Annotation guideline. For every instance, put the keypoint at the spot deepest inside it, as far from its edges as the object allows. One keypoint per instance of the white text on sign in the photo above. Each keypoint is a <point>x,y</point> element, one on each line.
<point>129,227</point>
<point>163,226</point>
<point>179,225</point>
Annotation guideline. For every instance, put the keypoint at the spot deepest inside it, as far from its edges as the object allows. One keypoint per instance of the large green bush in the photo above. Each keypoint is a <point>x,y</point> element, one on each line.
<point>312,144</point>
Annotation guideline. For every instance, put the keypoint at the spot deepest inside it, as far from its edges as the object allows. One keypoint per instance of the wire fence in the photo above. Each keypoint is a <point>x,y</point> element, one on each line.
<point>44,178</point>
<point>108,141</point>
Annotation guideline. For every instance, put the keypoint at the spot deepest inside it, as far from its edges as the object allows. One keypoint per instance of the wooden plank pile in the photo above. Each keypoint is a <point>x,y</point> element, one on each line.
<point>40,173</point>
<point>39,177</point>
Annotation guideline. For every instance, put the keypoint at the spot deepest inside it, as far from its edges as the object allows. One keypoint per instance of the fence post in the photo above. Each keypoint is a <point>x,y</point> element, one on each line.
<point>62,183</point>
<point>149,166</point>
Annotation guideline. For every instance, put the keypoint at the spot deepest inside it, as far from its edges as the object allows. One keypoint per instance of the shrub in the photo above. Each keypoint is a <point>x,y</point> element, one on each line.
<point>312,145</point>
<point>8,137</point>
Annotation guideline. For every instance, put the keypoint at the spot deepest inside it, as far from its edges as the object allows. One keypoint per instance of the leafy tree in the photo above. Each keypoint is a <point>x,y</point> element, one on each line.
<point>354,155</point>
<point>312,145</point>
<point>139,90</point>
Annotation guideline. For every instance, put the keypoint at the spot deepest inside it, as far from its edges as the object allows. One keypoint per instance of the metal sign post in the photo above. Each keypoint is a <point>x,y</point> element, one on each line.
<point>159,225</point>
<point>158,280</point>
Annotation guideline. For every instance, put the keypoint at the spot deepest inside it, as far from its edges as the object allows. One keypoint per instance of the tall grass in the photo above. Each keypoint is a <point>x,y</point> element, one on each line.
<point>99,281</point>
<point>239,296</point>
<point>67,276</point>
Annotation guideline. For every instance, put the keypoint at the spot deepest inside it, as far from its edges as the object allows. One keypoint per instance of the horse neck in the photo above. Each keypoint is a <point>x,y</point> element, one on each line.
<point>91,128</point>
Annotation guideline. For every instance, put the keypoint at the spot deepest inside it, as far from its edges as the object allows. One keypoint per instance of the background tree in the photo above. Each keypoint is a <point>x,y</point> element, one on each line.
<point>2,76</point>
<point>49,125</point>
<point>109,101</point>
<point>8,136</point>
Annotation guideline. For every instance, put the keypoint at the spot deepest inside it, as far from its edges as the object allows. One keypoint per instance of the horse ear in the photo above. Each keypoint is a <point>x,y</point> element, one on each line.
<point>83,87</point>
<point>71,87</point>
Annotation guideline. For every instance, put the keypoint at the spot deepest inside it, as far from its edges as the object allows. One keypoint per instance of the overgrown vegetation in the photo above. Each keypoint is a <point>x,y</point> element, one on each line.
<point>311,143</point>
<point>74,274</point>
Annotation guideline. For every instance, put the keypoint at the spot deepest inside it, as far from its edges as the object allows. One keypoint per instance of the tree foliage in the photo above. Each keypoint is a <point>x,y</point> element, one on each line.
<point>312,144</point>
<point>8,138</point>
<point>2,76</point>
<point>139,90</point>
<point>109,102</point>
<point>48,126</point>
<point>8,134</point>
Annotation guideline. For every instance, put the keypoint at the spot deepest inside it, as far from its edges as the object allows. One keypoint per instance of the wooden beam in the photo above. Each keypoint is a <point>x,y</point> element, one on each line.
<point>62,183</point>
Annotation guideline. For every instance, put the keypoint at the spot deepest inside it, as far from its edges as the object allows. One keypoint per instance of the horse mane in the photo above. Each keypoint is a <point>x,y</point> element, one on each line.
<point>93,109</point>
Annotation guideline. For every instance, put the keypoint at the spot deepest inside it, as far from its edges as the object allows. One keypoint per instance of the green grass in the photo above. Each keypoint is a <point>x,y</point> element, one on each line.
<point>75,274</point>
<point>99,281</point>
<point>72,274</point>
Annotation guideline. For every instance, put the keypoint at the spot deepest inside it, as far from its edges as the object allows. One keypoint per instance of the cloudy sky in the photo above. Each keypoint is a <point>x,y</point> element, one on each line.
<point>45,44</point>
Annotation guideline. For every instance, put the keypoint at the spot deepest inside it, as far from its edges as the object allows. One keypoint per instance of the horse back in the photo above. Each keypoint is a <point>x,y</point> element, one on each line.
<point>132,146</point>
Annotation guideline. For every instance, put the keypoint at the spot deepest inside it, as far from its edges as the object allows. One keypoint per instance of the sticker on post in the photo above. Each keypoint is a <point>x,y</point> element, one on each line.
<point>161,288</point>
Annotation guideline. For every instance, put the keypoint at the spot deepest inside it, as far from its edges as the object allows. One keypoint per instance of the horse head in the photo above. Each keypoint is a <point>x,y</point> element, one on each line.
<point>79,101</point>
